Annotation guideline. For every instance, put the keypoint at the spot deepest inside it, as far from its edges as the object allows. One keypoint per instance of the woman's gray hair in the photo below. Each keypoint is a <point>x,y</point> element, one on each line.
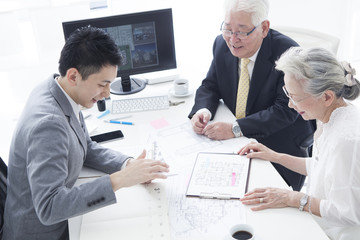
<point>259,9</point>
<point>318,70</point>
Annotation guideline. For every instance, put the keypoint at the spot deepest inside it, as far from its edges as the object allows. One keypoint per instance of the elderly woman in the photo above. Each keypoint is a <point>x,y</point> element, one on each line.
<point>317,86</point>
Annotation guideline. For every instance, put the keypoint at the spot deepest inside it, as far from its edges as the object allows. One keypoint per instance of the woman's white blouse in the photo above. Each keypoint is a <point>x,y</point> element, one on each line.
<point>334,171</point>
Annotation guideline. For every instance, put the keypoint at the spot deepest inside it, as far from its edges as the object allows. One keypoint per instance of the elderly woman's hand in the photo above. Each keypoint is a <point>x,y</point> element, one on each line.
<point>267,198</point>
<point>258,150</point>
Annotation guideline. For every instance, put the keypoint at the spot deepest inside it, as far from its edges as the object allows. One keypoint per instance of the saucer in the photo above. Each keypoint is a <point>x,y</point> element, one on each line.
<point>172,93</point>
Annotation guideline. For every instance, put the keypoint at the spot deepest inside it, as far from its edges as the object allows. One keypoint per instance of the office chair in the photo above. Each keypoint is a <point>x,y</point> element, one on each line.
<point>3,189</point>
<point>308,38</point>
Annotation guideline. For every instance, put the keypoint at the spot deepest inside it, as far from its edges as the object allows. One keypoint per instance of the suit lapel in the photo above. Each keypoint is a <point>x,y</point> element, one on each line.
<point>69,113</point>
<point>75,125</point>
<point>232,72</point>
<point>262,69</point>
<point>230,62</point>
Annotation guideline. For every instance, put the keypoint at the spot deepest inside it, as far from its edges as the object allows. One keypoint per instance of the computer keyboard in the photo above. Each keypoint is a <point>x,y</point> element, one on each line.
<point>140,104</point>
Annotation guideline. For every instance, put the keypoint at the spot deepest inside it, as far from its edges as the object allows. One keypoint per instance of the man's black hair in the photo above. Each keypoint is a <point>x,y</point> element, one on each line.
<point>88,49</point>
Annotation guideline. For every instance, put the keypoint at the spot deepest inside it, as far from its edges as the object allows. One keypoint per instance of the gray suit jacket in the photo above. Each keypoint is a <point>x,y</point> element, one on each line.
<point>48,149</point>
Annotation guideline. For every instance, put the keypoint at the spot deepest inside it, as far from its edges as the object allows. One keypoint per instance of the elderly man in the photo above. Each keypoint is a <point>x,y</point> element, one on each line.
<point>242,74</point>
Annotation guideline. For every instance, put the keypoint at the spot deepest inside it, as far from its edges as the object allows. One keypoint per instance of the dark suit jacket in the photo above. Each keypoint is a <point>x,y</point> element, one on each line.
<point>268,117</point>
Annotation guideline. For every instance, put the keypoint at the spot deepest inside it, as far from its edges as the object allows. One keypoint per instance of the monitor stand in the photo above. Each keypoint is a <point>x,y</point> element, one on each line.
<point>127,85</point>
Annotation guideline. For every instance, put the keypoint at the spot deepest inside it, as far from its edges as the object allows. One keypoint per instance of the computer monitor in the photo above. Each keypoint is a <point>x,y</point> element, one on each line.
<point>145,41</point>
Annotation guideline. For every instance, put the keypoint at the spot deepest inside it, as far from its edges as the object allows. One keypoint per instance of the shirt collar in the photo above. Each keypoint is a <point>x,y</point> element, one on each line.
<point>74,105</point>
<point>253,57</point>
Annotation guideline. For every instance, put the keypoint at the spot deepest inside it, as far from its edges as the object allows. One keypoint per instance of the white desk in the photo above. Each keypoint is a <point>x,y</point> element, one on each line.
<point>285,223</point>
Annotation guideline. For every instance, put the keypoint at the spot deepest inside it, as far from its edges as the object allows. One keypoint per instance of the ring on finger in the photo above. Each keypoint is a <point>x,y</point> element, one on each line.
<point>261,200</point>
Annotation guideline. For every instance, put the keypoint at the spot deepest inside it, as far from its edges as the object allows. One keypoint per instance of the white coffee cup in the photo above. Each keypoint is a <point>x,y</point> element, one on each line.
<point>241,232</point>
<point>181,86</point>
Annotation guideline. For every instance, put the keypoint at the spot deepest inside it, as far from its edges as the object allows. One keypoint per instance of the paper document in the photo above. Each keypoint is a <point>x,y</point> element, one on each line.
<point>219,175</point>
<point>141,212</point>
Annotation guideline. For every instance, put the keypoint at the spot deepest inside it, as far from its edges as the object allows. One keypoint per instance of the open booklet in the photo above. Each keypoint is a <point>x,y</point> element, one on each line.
<point>219,175</point>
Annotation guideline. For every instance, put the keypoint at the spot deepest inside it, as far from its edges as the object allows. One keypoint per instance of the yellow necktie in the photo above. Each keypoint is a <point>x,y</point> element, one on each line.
<point>243,89</point>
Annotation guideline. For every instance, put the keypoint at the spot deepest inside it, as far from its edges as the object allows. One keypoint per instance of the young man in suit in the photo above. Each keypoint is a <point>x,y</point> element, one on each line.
<point>243,75</point>
<point>51,144</point>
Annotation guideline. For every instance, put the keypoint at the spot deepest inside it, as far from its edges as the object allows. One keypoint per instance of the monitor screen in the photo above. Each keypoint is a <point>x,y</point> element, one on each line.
<point>145,41</point>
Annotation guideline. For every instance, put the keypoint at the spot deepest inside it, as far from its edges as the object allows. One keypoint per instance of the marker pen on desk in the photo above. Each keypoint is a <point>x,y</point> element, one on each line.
<point>123,117</point>
<point>104,114</point>
<point>119,122</point>
<point>87,116</point>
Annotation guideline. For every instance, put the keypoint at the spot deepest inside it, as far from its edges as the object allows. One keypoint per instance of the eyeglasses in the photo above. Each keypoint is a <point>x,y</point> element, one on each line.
<point>239,35</point>
<point>292,100</point>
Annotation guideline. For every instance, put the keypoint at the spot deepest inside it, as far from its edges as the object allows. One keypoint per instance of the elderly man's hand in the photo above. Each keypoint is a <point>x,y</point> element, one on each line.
<point>199,122</point>
<point>219,131</point>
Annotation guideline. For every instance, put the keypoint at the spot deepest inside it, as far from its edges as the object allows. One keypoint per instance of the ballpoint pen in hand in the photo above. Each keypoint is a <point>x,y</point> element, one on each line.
<point>119,122</point>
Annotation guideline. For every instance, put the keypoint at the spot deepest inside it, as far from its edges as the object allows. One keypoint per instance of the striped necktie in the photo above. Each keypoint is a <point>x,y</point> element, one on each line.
<point>243,89</point>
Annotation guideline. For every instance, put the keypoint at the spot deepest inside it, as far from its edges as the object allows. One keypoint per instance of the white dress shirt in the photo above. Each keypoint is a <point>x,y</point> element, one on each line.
<point>74,105</point>
<point>334,173</point>
<point>250,68</point>
<point>76,109</point>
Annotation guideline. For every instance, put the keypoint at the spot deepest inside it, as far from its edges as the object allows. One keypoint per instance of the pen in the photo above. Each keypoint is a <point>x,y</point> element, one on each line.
<point>119,122</point>
<point>115,119</point>
<point>170,174</point>
<point>87,116</point>
<point>104,114</point>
